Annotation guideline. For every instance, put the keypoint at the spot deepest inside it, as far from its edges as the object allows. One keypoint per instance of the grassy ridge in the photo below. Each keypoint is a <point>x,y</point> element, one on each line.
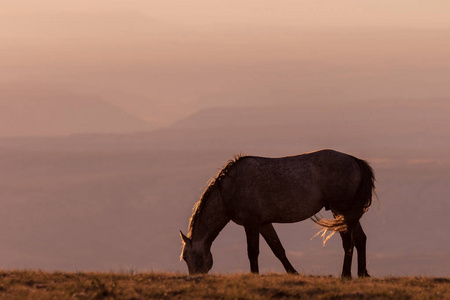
<point>58,285</point>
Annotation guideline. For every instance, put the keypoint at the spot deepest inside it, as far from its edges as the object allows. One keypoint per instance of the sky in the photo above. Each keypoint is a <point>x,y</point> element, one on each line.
<point>164,60</point>
<point>328,13</point>
<point>273,77</point>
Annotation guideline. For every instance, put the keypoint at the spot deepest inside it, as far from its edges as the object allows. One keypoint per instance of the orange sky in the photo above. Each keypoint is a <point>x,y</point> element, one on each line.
<point>161,60</point>
<point>368,76</point>
<point>328,13</point>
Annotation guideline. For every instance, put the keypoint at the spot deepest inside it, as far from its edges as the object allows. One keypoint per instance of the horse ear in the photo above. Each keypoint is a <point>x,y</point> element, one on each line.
<point>185,239</point>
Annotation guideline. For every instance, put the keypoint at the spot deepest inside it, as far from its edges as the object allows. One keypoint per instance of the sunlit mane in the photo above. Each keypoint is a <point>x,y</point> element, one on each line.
<point>213,184</point>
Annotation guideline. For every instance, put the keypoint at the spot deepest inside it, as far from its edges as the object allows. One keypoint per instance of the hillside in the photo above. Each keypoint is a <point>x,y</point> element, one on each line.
<point>41,285</point>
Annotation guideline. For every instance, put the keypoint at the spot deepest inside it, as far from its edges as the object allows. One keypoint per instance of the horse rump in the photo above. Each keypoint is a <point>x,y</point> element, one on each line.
<point>359,204</point>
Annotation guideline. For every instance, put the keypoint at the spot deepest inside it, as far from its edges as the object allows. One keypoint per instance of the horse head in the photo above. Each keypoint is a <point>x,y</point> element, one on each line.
<point>198,259</point>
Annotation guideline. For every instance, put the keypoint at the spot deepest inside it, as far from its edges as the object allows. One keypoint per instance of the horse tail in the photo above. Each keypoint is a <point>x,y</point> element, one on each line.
<point>359,205</point>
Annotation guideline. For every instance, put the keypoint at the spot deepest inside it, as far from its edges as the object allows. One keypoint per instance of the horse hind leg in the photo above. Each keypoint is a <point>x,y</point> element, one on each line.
<point>252,234</point>
<point>347,244</point>
<point>271,237</point>
<point>359,239</point>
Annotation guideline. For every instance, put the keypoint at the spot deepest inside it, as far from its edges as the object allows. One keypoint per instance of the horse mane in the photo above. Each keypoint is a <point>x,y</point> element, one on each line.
<point>213,185</point>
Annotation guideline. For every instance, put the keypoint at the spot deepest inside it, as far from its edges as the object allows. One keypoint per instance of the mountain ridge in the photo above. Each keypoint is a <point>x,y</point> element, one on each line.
<point>31,110</point>
<point>405,126</point>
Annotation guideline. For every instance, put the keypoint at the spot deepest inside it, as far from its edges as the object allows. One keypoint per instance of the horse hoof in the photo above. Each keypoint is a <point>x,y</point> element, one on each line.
<point>364,275</point>
<point>346,277</point>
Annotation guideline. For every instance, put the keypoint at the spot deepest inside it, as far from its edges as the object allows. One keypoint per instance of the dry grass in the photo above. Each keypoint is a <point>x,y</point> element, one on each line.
<point>58,285</point>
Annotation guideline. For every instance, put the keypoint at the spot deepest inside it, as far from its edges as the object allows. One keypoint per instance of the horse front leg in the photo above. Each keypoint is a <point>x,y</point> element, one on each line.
<point>359,239</point>
<point>271,237</point>
<point>252,234</point>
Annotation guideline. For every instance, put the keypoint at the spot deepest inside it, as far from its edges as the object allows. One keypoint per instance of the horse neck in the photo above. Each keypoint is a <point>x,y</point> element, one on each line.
<point>211,219</point>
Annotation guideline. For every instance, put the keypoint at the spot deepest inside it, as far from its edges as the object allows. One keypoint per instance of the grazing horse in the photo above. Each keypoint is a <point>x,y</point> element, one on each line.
<point>256,191</point>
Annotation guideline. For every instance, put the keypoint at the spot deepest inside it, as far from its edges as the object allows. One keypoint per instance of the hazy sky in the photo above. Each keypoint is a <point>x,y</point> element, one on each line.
<point>328,13</point>
<point>162,60</point>
<point>110,65</point>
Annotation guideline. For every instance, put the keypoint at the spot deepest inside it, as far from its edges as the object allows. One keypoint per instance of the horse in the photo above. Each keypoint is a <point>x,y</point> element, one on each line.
<point>255,192</point>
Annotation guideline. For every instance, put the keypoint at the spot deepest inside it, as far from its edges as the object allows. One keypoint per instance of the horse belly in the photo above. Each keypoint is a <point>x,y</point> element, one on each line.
<point>276,205</point>
<point>293,209</point>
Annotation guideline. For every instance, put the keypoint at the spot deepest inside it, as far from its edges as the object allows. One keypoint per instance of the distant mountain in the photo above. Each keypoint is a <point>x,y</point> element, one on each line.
<point>32,110</point>
<point>397,126</point>
<point>371,128</point>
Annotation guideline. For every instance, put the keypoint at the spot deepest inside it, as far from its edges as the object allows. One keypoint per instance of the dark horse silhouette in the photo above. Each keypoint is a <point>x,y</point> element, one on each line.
<point>255,192</point>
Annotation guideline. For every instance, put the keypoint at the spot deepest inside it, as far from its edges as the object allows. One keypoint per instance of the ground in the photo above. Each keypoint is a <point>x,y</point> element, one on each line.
<point>80,285</point>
